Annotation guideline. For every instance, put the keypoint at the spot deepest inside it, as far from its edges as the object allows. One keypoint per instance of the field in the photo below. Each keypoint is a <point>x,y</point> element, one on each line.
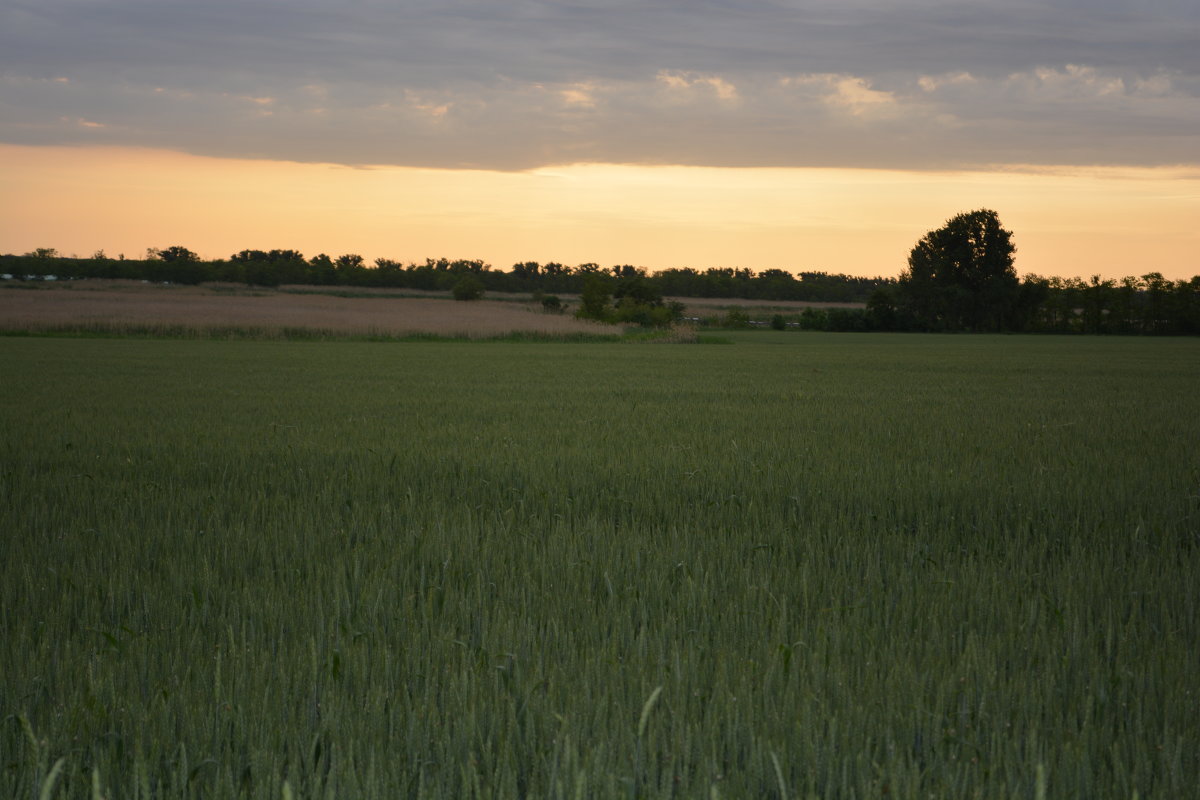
<point>799,565</point>
<point>233,311</point>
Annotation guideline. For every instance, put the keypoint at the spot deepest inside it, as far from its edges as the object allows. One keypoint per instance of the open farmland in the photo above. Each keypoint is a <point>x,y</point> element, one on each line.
<point>803,565</point>
<point>129,306</point>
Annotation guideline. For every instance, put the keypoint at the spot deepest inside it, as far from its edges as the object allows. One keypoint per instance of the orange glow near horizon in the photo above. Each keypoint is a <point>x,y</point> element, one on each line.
<point>1108,221</point>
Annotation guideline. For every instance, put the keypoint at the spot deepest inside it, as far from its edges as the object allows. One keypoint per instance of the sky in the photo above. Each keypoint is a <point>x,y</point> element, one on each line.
<point>765,134</point>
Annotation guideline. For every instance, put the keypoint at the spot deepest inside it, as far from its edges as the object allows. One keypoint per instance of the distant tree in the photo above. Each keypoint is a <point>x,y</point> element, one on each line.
<point>961,276</point>
<point>269,268</point>
<point>526,269</point>
<point>594,300</point>
<point>1187,296</point>
<point>719,282</point>
<point>1031,301</point>
<point>1060,303</point>
<point>321,271</point>
<point>882,313</point>
<point>1099,304</point>
<point>246,256</point>
<point>255,267</point>
<point>176,264</point>
<point>1157,290</point>
<point>628,271</point>
<point>289,266</point>
<point>43,252</point>
<point>474,265</point>
<point>350,270</point>
<point>637,288</point>
<point>1128,296</point>
<point>349,261</point>
<point>177,255</point>
<point>775,284</point>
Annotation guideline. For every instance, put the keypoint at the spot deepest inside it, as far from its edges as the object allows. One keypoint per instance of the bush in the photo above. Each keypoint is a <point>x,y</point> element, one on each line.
<point>736,318</point>
<point>846,319</point>
<point>467,288</point>
<point>814,319</point>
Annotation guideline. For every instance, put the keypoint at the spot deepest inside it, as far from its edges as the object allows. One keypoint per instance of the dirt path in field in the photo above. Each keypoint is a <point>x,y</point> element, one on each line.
<point>112,304</point>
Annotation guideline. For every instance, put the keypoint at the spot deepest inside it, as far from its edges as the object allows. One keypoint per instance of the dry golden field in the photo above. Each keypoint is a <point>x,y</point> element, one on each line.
<point>118,305</point>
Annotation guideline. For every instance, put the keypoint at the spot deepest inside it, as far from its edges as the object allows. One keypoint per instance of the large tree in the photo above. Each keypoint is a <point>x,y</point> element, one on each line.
<point>961,276</point>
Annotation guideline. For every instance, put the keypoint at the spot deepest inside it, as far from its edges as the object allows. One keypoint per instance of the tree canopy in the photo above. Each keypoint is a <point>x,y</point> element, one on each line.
<point>961,276</point>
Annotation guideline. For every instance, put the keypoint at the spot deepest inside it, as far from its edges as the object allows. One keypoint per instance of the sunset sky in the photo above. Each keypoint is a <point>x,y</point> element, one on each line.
<point>786,134</point>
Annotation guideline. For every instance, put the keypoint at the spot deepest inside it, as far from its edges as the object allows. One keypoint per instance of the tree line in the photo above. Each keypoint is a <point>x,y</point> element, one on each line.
<point>960,277</point>
<point>279,267</point>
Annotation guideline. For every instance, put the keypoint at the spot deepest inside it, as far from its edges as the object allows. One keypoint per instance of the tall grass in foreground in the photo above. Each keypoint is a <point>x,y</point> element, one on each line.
<point>841,567</point>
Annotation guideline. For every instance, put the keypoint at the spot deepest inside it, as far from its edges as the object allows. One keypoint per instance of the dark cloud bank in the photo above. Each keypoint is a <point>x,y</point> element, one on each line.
<point>515,85</point>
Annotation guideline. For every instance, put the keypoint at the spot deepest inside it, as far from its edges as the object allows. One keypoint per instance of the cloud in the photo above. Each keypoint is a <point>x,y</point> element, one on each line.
<point>932,83</point>
<point>850,94</point>
<point>582,95</point>
<point>924,84</point>
<point>684,81</point>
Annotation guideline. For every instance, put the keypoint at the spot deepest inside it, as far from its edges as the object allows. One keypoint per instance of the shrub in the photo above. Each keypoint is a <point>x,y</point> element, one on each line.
<point>467,288</point>
<point>814,319</point>
<point>846,319</point>
<point>736,318</point>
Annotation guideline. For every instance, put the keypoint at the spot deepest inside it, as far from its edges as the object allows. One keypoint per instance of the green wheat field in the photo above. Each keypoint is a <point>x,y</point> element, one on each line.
<point>793,566</point>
